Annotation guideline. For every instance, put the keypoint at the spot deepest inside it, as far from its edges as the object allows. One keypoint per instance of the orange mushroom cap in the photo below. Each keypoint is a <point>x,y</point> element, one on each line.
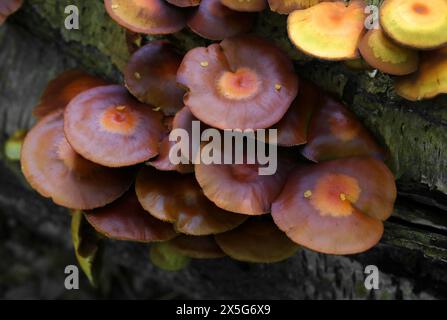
<point>203,247</point>
<point>184,3</point>
<point>415,23</point>
<point>429,81</point>
<point>243,83</point>
<point>288,6</point>
<point>176,198</point>
<point>108,126</point>
<point>56,171</point>
<point>382,53</point>
<point>245,5</point>
<point>8,7</point>
<point>151,75</point>
<point>63,88</point>
<point>146,16</point>
<point>328,30</point>
<point>336,207</point>
<point>257,241</point>
<point>214,21</point>
<point>334,132</point>
<point>125,219</point>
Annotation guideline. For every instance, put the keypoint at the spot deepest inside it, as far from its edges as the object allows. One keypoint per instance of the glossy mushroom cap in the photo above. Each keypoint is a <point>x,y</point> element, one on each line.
<point>146,16</point>
<point>383,54</point>
<point>204,247</point>
<point>108,126</point>
<point>214,21</point>
<point>8,7</point>
<point>151,76</point>
<point>335,132</point>
<point>415,23</point>
<point>429,81</point>
<point>56,171</point>
<point>184,3</point>
<point>243,83</point>
<point>257,241</point>
<point>288,6</point>
<point>328,30</point>
<point>61,90</point>
<point>176,198</point>
<point>245,5</point>
<point>336,207</point>
<point>125,219</point>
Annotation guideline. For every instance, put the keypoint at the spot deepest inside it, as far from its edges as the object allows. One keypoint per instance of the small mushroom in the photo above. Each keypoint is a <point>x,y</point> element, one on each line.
<point>8,7</point>
<point>245,5</point>
<point>126,220</point>
<point>336,207</point>
<point>242,83</point>
<point>429,81</point>
<point>56,171</point>
<point>257,241</point>
<point>13,145</point>
<point>108,126</point>
<point>63,88</point>
<point>184,3</point>
<point>151,75</point>
<point>335,132</point>
<point>165,257</point>
<point>214,21</point>
<point>155,17</point>
<point>204,247</point>
<point>176,198</point>
<point>288,6</point>
<point>415,23</point>
<point>328,30</point>
<point>383,54</point>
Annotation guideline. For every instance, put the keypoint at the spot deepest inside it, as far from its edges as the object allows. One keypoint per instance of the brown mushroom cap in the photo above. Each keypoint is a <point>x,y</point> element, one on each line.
<point>328,30</point>
<point>335,132</point>
<point>108,126</point>
<point>125,219</point>
<point>8,7</point>
<point>56,171</point>
<point>336,207</point>
<point>415,23</point>
<point>288,6</point>
<point>245,5</point>
<point>176,198</point>
<point>429,81</point>
<point>243,83</point>
<point>382,53</point>
<point>214,21</point>
<point>204,247</point>
<point>63,88</point>
<point>257,241</point>
<point>146,16</point>
<point>184,3</point>
<point>151,75</point>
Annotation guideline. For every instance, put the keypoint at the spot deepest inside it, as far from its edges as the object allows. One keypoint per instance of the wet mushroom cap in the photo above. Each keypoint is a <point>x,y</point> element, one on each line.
<point>334,132</point>
<point>383,54</point>
<point>146,16</point>
<point>245,5</point>
<point>244,83</point>
<point>204,247</point>
<point>184,3</point>
<point>8,7</point>
<point>288,6</point>
<point>108,126</point>
<point>336,207</point>
<point>415,23</point>
<point>176,198</point>
<point>151,75</point>
<point>214,21</point>
<point>126,220</point>
<point>429,81</point>
<point>256,241</point>
<point>56,171</point>
<point>328,30</point>
<point>61,90</point>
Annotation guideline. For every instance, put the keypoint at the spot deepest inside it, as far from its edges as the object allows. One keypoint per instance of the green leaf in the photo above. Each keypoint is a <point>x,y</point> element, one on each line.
<point>167,258</point>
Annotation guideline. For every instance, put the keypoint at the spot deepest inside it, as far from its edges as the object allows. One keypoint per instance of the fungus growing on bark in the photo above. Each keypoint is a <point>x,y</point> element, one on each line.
<point>383,54</point>
<point>328,30</point>
<point>288,6</point>
<point>334,132</point>
<point>61,90</point>
<point>257,241</point>
<point>214,21</point>
<point>146,16</point>
<point>56,171</point>
<point>429,81</point>
<point>245,5</point>
<point>126,220</point>
<point>184,3</point>
<point>151,74</point>
<point>176,198</point>
<point>8,7</point>
<point>204,247</point>
<point>244,82</point>
<point>108,126</point>
<point>415,23</point>
<point>336,207</point>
